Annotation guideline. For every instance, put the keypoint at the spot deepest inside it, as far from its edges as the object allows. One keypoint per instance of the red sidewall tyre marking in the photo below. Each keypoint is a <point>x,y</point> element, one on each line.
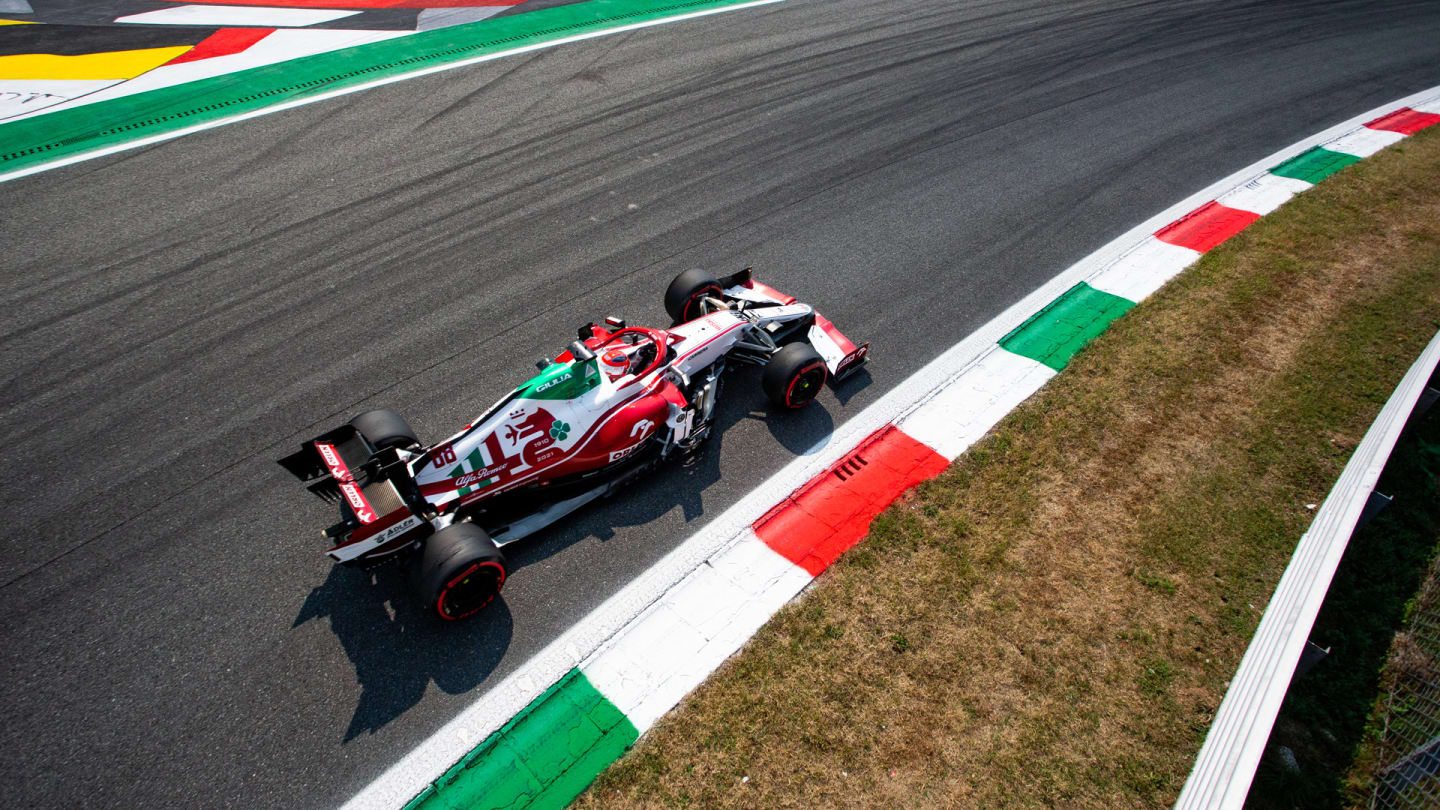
<point>789,400</point>
<point>499,583</point>
<point>693,305</point>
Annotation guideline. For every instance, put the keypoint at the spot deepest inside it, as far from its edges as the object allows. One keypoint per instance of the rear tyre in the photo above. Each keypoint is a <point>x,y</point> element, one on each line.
<point>682,297</point>
<point>794,376</point>
<point>385,429</point>
<point>459,571</point>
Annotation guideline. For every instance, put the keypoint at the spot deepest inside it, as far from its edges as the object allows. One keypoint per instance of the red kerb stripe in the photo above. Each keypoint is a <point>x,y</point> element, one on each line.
<point>832,512</point>
<point>1206,226</point>
<point>224,42</point>
<point>1405,120</point>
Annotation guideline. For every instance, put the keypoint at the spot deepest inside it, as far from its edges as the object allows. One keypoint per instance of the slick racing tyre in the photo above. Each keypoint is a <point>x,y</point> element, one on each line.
<point>459,571</point>
<point>794,376</point>
<point>682,297</point>
<point>385,429</point>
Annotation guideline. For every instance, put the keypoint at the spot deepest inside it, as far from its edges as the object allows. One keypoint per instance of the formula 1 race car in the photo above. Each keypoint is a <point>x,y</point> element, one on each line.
<point>616,403</point>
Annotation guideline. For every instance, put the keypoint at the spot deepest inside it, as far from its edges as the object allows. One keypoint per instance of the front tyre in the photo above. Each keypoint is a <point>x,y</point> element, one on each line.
<point>794,376</point>
<point>459,571</point>
<point>385,429</point>
<point>682,297</point>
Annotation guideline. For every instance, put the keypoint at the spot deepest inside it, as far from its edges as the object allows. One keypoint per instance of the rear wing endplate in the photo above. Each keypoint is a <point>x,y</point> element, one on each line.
<point>329,460</point>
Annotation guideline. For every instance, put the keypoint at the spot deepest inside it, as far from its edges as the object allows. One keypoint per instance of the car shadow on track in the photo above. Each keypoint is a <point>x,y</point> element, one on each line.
<point>397,646</point>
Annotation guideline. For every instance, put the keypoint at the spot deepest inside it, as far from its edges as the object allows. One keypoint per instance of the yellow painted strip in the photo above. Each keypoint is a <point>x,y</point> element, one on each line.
<point>109,65</point>
<point>17,22</point>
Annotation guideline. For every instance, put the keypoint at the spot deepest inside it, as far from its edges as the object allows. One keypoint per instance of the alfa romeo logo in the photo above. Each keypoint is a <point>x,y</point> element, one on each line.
<point>559,430</point>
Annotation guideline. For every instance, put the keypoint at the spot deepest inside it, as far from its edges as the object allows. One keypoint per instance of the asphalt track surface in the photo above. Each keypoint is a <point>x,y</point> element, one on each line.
<point>179,316</point>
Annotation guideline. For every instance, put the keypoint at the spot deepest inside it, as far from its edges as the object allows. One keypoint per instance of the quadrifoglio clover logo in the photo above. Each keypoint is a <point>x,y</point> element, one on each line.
<point>559,430</point>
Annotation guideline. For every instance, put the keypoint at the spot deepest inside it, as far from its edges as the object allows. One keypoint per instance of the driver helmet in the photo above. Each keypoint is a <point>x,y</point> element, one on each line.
<point>615,363</point>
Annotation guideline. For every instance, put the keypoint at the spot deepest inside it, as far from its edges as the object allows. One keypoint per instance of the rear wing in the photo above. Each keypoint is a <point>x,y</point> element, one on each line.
<point>842,357</point>
<point>329,464</point>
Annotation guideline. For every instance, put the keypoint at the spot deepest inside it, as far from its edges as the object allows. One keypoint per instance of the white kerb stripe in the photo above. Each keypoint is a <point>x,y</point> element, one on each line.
<point>650,666</point>
<point>430,19</point>
<point>965,410</point>
<point>772,581</point>
<point>1144,269</point>
<point>1364,141</point>
<point>239,16</point>
<point>638,663</point>
<point>1263,194</point>
<point>20,96</point>
<point>1431,106</point>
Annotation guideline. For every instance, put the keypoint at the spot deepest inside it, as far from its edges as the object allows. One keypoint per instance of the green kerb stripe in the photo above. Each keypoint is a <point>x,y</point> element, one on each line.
<point>543,758</point>
<point>1314,165</point>
<point>1054,334</point>
<point>65,133</point>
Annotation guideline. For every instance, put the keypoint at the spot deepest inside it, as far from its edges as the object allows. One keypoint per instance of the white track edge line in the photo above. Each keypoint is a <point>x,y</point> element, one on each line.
<point>431,758</point>
<point>326,96</point>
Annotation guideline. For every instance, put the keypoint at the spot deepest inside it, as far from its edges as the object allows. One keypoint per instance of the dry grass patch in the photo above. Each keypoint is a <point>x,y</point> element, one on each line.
<point>1052,622</point>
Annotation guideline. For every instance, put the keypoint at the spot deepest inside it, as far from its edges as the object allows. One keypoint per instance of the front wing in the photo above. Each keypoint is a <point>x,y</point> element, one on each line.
<point>842,357</point>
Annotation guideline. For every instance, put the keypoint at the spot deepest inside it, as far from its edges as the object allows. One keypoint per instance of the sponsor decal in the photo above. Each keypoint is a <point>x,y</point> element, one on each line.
<point>562,382</point>
<point>399,529</point>
<point>444,455</point>
<point>347,485</point>
<point>358,503</point>
<point>641,429</point>
<point>536,424</point>
<point>375,536</point>
<point>465,480</point>
<point>476,478</point>
<point>333,462</point>
<point>619,454</point>
<point>516,451</point>
<point>527,440</point>
<point>852,359</point>
<point>545,386</point>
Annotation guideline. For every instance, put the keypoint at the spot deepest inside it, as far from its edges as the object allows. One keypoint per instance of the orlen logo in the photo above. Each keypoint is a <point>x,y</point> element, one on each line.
<point>362,509</point>
<point>332,461</point>
<point>619,454</point>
